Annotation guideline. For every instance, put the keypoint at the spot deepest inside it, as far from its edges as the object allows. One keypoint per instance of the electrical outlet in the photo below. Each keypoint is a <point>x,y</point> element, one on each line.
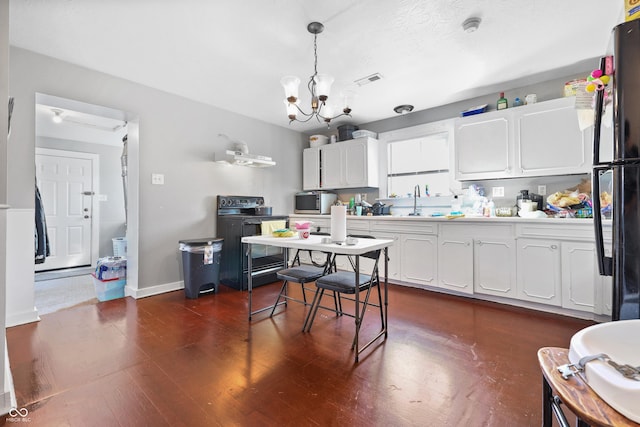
<point>497,191</point>
<point>157,179</point>
<point>542,190</point>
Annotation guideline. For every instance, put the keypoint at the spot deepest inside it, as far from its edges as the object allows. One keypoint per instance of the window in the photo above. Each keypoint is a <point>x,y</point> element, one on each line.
<point>422,161</point>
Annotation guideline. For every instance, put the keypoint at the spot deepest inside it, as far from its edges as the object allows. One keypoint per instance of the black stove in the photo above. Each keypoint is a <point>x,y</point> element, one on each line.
<point>237,217</point>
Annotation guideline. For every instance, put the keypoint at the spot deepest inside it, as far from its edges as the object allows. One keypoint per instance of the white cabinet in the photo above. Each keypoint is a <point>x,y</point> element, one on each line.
<point>311,169</point>
<point>494,266</point>
<point>455,263</point>
<point>413,258</point>
<point>418,261</point>
<point>393,252</point>
<point>533,140</point>
<point>580,277</point>
<point>539,274</point>
<point>548,139</point>
<point>349,164</point>
<point>477,259</point>
<point>483,146</point>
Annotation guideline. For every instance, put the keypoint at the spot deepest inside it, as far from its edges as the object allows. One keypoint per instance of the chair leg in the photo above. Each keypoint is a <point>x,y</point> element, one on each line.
<point>283,289</point>
<point>359,317</point>
<point>311,316</point>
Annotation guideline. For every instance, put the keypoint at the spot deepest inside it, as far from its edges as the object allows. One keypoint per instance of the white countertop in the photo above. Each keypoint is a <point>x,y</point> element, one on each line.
<point>510,219</point>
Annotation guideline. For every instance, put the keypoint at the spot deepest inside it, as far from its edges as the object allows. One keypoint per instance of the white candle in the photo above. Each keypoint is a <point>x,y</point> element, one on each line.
<point>338,223</point>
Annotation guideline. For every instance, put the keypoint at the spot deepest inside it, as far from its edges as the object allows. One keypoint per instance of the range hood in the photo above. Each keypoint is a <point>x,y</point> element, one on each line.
<point>239,155</point>
<point>236,157</point>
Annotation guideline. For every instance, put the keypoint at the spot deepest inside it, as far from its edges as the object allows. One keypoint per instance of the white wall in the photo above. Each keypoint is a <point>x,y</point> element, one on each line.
<point>5,374</point>
<point>177,138</point>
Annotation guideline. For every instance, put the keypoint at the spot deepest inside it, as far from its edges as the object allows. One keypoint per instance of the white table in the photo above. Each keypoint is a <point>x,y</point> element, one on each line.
<point>314,243</point>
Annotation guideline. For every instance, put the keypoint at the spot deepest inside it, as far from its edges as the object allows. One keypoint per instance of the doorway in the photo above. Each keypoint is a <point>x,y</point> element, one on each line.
<point>68,182</point>
<point>74,136</point>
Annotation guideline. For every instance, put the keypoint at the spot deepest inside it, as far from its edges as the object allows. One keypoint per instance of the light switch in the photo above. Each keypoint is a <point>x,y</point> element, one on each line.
<point>157,179</point>
<point>542,190</point>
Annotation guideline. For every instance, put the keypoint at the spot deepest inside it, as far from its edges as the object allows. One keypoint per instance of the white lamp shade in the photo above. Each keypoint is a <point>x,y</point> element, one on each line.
<point>290,85</point>
<point>328,110</point>
<point>292,110</point>
<point>323,84</point>
<point>348,96</point>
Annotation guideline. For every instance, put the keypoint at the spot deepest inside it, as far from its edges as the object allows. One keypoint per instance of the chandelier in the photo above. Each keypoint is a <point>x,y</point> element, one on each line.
<point>319,86</point>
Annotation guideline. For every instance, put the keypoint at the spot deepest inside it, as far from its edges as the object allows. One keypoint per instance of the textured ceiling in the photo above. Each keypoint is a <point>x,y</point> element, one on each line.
<point>232,54</point>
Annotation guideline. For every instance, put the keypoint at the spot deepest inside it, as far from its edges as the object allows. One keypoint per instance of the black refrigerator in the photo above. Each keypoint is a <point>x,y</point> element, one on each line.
<point>624,263</point>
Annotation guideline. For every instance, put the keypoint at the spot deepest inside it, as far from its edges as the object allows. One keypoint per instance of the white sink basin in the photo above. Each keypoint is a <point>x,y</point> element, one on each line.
<point>620,341</point>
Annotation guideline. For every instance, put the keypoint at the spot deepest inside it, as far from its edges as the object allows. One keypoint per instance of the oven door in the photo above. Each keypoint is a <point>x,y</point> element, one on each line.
<point>266,260</point>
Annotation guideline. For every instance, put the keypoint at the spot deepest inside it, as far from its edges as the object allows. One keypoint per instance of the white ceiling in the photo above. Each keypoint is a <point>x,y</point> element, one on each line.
<point>232,54</point>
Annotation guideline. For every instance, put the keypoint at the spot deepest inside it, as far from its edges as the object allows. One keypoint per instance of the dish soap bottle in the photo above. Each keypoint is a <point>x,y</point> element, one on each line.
<point>502,102</point>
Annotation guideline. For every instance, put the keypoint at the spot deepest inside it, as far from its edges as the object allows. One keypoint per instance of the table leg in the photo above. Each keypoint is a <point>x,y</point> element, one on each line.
<point>355,343</point>
<point>547,397</point>
<point>386,289</point>
<point>250,276</point>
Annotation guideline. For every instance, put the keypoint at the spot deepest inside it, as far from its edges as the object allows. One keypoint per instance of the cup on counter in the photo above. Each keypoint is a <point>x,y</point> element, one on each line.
<point>532,98</point>
<point>358,210</point>
<point>303,234</point>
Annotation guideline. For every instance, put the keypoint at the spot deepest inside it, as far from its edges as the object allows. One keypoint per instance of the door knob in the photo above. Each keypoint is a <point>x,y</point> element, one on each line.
<point>86,217</point>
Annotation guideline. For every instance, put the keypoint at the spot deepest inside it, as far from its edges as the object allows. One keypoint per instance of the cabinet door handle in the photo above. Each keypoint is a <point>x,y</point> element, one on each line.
<point>554,247</point>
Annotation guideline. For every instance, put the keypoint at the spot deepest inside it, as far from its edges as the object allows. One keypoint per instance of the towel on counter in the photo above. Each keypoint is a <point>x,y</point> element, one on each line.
<point>268,227</point>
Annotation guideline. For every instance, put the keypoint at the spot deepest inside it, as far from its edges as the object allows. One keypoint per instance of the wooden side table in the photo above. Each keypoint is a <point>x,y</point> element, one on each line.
<point>574,393</point>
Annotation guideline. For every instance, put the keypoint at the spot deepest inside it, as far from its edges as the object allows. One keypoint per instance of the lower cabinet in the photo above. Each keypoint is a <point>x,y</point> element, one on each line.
<point>455,258</point>
<point>494,266</point>
<point>418,259</point>
<point>539,271</point>
<point>580,278</point>
<point>475,259</point>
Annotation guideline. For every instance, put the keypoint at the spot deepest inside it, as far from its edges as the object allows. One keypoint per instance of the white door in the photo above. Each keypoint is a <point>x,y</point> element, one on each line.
<point>65,181</point>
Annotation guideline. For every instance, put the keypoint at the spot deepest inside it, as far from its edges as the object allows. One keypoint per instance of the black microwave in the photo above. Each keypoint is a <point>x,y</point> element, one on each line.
<point>314,202</point>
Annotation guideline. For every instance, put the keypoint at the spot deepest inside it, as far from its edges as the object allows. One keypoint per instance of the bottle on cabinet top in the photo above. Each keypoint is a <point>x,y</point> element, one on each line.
<point>502,102</point>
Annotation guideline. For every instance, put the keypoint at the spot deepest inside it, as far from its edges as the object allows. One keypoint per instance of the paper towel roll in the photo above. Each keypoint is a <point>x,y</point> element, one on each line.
<point>338,223</point>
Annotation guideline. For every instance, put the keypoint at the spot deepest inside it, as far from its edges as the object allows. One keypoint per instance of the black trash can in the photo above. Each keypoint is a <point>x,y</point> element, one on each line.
<point>201,265</point>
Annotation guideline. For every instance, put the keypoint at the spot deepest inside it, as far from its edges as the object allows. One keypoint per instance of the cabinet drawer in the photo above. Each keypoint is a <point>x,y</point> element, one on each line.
<point>572,231</point>
<point>503,231</point>
<point>416,227</point>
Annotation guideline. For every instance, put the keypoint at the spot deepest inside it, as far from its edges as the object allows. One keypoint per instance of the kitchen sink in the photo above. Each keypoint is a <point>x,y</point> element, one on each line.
<point>617,344</point>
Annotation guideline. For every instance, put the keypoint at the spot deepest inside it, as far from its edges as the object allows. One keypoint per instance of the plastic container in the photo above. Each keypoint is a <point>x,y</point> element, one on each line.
<point>474,110</point>
<point>364,133</point>
<point>201,265</point>
<point>345,132</point>
<point>110,268</point>
<point>107,290</point>
<point>119,246</point>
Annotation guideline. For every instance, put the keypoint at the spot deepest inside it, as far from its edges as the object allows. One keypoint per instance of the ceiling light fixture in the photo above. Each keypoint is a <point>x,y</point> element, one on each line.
<point>470,25</point>
<point>319,86</point>
<point>403,109</point>
<point>57,115</point>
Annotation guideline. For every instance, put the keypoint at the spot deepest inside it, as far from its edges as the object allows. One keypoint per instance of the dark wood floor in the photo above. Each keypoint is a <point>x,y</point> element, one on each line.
<point>166,360</point>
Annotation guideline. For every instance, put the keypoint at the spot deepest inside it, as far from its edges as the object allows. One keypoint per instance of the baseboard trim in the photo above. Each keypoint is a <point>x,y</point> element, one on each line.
<point>15,319</point>
<point>154,290</point>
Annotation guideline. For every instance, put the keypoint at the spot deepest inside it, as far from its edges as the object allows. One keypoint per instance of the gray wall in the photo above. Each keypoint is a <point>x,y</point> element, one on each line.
<point>111,214</point>
<point>177,138</point>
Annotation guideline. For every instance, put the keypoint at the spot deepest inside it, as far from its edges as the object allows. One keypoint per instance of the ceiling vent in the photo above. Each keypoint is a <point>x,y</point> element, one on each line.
<point>369,79</point>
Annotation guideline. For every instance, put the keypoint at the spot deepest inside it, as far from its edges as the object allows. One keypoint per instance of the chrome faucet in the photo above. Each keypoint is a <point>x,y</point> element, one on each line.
<point>416,194</point>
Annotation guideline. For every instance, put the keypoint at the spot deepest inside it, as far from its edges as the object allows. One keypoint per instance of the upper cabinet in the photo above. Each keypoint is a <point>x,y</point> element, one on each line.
<point>534,140</point>
<point>483,146</point>
<point>311,169</point>
<point>347,164</point>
